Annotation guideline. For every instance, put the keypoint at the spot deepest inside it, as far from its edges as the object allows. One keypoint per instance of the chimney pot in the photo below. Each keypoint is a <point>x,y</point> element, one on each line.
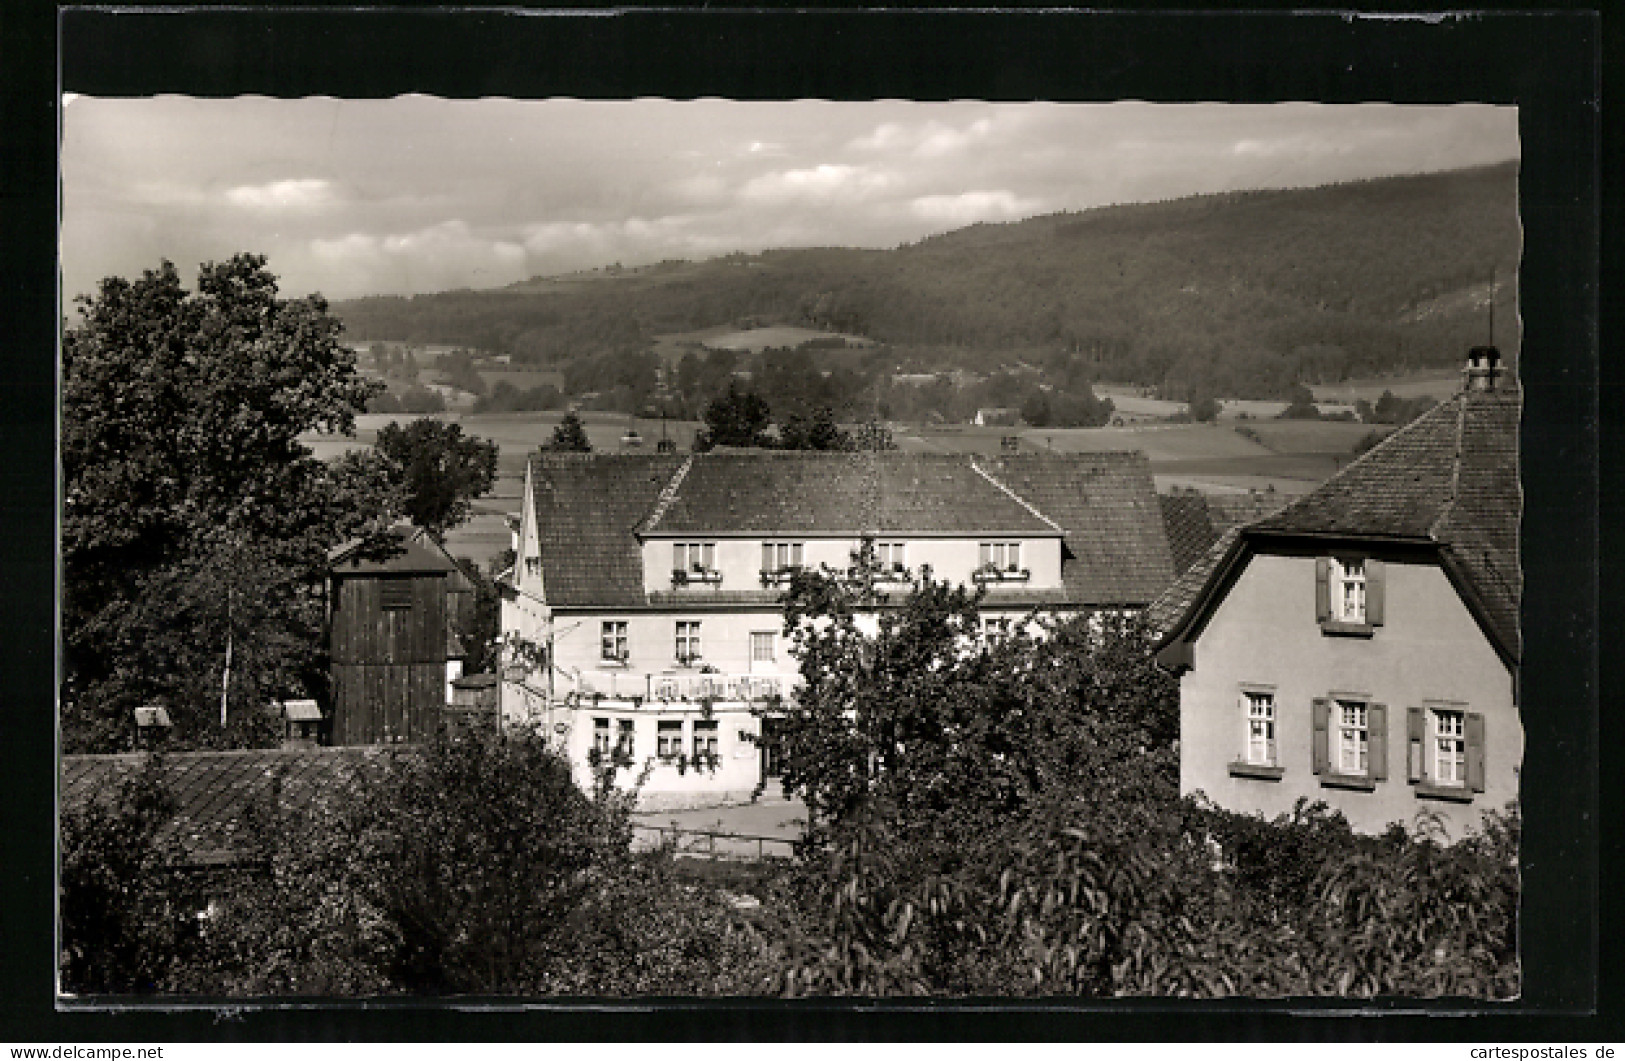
<point>1483,368</point>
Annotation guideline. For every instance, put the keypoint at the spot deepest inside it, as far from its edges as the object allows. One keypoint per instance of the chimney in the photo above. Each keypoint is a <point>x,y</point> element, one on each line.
<point>1483,369</point>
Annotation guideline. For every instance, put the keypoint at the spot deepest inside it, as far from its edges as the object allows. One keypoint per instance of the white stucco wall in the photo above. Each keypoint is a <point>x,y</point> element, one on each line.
<point>952,559</point>
<point>1265,632</point>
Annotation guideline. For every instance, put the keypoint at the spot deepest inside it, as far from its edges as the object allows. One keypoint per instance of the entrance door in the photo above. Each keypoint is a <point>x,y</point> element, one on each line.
<point>772,755</point>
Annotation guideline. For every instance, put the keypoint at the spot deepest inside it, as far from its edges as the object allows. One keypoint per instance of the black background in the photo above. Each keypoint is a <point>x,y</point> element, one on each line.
<point>1549,64</point>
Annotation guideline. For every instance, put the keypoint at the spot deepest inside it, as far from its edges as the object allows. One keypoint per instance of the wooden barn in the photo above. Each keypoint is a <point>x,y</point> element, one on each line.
<point>392,639</point>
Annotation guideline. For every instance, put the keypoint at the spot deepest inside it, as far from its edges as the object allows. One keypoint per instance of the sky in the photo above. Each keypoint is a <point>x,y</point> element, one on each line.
<point>417,194</point>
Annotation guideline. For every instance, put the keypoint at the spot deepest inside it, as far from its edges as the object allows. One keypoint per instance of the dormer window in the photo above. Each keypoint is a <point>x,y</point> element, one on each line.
<point>780,560</point>
<point>694,562</point>
<point>1348,590</point>
<point>1000,562</point>
<point>1349,594</point>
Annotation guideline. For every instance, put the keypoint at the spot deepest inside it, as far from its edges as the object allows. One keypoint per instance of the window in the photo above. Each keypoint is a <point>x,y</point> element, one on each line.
<point>1353,738</point>
<point>1001,556</point>
<point>669,738</point>
<point>395,594</point>
<point>1349,594</point>
<point>761,646</point>
<point>533,565</point>
<point>1446,749</point>
<point>705,738</point>
<point>889,555</point>
<point>600,736</point>
<point>688,641</point>
<point>780,557</point>
<point>694,558</point>
<point>1260,728</point>
<point>624,743</point>
<point>612,643</point>
<point>995,627</point>
<point>1350,741</point>
<point>1449,747</point>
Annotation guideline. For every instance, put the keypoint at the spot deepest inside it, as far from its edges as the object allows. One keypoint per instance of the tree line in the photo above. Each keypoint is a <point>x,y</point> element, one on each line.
<point>1240,295</point>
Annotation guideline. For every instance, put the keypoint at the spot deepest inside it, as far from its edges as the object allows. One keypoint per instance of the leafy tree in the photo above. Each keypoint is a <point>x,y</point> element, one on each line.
<point>469,865</point>
<point>569,437</point>
<point>181,417</point>
<point>441,471</point>
<point>909,705</point>
<point>873,436</point>
<point>117,935</point>
<point>817,432</point>
<point>738,418</point>
<point>1203,409</point>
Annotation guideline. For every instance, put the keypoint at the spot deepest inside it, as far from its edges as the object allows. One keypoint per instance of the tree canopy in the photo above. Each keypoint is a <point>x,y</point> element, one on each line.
<point>737,418</point>
<point>195,523</point>
<point>440,470</point>
<point>569,437</point>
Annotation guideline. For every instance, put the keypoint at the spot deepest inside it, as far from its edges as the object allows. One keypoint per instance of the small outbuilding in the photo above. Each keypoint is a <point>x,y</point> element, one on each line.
<point>390,620</point>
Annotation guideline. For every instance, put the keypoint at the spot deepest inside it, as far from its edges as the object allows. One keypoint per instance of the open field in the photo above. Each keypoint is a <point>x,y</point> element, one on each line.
<point>776,336</point>
<point>1330,437</point>
<point>1439,385</point>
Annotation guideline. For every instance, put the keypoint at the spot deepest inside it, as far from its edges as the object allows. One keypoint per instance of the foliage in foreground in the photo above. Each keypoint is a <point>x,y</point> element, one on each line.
<point>996,817</point>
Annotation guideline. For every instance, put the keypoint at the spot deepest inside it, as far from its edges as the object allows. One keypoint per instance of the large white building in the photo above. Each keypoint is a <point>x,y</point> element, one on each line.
<point>648,586</point>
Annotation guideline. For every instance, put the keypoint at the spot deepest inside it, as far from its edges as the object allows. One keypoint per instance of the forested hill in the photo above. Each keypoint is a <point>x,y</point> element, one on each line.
<point>1240,293</point>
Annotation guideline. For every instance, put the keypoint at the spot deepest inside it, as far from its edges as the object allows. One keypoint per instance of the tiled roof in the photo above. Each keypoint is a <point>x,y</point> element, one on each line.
<point>1177,599</point>
<point>841,493</point>
<point>588,507</point>
<point>217,793</point>
<point>1190,531</point>
<point>1448,478</point>
<point>1116,547</point>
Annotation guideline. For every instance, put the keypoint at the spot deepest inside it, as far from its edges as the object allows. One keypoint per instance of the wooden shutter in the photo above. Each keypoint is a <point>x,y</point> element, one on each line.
<point>1416,743</point>
<point>1377,751</point>
<point>1321,744</point>
<point>1475,752</point>
<point>1323,591</point>
<point>1375,578</point>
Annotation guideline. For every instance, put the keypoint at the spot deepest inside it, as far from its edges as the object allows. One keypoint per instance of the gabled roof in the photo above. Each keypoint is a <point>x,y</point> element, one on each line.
<point>219,795</point>
<point>1448,480</point>
<point>587,508</point>
<point>799,493</point>
<point>590,510</point>
<point>1115,547</point>
<point>397,551</point>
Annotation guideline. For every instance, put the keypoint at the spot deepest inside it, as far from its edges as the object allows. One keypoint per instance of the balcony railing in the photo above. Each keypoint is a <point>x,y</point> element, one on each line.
<point>681,688</point>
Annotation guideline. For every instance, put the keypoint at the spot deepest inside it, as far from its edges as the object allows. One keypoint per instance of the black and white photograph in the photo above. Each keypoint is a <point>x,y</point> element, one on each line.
<point>572,548</point>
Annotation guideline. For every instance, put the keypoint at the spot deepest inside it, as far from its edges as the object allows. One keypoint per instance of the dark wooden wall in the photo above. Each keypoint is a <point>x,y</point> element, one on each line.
<point>389,666</point>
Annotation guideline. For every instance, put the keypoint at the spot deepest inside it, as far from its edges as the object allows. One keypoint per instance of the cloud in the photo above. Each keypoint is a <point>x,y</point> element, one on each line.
<point>969,207</point>
<point>444,255</point>
<point>282,195</point>
<point>930,139</point>
<point>825,181</point>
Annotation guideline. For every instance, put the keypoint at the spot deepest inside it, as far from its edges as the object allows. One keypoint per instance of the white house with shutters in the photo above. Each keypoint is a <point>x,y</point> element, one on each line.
<point>649,585</point>
<point>1361,646</point>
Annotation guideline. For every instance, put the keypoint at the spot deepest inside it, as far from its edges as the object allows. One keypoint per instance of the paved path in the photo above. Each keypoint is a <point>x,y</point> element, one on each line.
<point>779,819</point>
